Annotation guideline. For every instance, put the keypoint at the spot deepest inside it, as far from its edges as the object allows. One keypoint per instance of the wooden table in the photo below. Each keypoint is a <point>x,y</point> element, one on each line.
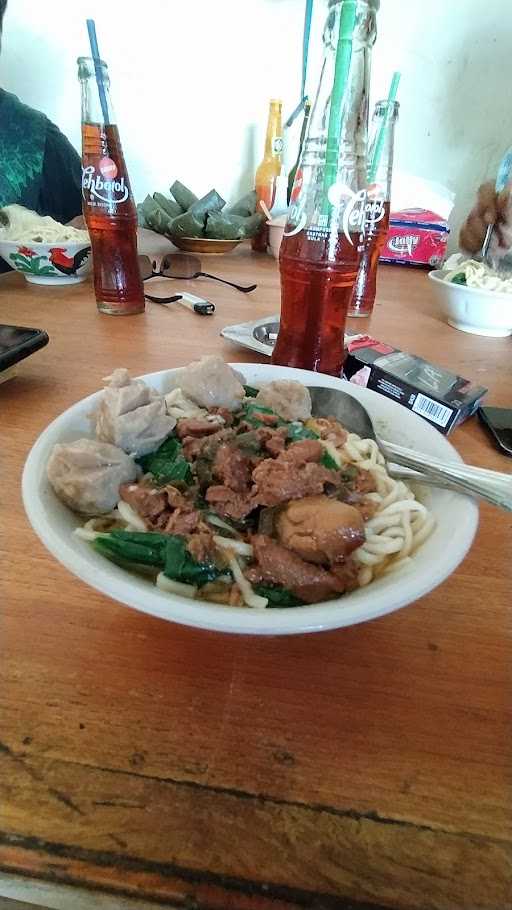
<point>360,768</point>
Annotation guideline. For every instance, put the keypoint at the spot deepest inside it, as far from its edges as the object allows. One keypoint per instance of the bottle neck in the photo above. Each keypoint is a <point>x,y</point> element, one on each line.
<point>95,85</point>
<point>274,137</point>
<point>305,122</point>
<point>381,149</point>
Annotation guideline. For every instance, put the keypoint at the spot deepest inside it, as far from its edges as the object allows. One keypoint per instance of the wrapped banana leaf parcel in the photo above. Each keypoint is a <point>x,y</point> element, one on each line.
<point>187,215</point>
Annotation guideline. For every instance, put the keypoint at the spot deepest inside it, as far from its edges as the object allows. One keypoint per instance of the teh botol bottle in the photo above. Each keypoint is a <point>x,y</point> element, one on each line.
<point>108,205</point>
<point>320,251</point>
<point>269,169</point>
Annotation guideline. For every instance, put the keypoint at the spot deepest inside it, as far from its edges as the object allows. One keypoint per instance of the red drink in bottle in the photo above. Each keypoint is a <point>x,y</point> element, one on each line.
<point>321,246</point>
<point>377,207</point>
<point>108,205</point>
<point>317,278</point>
<point>365,287</point>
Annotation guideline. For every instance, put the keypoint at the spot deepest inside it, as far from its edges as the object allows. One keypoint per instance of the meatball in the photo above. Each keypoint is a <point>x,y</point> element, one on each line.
<point>209,383</point>
<point>320,529</point>
<point>290,399</point>
<point>86,475</point>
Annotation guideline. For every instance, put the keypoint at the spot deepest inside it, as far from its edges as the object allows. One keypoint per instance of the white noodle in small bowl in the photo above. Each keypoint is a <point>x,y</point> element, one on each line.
<point>481,306</point>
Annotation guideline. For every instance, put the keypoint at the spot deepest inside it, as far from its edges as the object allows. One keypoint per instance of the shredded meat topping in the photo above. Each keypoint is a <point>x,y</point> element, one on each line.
<point>229,504</point>
<point>233,468</point>
<point>293,474</point>
<point>276,564</point>
<point>198,426</point>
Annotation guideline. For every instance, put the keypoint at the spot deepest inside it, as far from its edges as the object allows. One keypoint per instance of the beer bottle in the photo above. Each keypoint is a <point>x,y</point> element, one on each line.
<point>108,206</point>
<point>269,169</point>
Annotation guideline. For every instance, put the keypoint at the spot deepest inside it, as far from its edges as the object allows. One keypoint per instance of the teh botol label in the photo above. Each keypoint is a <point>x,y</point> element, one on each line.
<point>103,184</point>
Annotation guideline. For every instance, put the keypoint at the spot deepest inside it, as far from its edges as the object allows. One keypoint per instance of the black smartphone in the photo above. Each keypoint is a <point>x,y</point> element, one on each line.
<point>498,421</point>
<point>18,342</point>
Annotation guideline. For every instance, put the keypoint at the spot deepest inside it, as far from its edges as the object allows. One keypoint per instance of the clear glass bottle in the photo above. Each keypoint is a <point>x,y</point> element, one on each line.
<point>320,251</point>
<point>108,205</point>
<point>376,226</point>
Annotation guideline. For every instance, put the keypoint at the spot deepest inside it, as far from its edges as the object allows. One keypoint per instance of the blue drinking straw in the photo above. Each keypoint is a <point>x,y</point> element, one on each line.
<point>95,53</point>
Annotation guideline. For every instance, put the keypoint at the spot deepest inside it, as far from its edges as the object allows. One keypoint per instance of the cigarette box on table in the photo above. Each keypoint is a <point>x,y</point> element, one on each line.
<point>416,237</point>
<point>441,397</point>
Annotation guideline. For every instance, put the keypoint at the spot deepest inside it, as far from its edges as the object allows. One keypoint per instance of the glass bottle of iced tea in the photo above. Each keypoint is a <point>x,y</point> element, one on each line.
<point>108,206</point>
<point>269,169</point>
<point>376,224</point>
<point>320,252</point>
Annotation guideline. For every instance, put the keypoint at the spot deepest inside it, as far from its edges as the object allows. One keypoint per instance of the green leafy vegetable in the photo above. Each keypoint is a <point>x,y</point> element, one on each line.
<point>250,391</point>
<point>168,464</point>
<point>329,462</point>
<point>146,549</point>
<point>181,566</point>
<point>460,278</point>
<point>252,414</point>
<point>167,551</point>
<point>297,432</point>
<point>278,596</point>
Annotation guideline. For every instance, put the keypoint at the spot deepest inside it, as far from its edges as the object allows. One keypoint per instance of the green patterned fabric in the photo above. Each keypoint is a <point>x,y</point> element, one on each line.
<point>22,147</point>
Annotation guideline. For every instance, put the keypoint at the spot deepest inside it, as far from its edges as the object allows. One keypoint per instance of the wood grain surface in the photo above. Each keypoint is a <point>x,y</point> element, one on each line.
<point>368,767</point>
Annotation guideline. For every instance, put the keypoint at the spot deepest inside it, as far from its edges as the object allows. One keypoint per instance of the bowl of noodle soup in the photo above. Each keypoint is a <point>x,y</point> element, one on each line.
<point>414,539</point>
<point>473,298</point>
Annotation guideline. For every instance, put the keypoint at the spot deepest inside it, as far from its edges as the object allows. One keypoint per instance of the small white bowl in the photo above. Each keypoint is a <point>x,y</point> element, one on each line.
<point>473,309</point>
<point>58,263</point>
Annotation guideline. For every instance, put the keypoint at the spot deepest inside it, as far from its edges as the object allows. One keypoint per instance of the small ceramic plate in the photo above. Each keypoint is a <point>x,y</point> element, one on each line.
<point>205,245</point>
<point>260,335</point>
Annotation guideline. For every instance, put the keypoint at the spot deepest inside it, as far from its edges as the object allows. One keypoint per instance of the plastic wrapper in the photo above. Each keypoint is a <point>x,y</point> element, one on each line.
<point>212,202</point>
<point>245,206</point>
<point>253,224</point>
<point>187,225</point>
<point>155,217</point>
<point>168,205</point>
<point>224,227</point>
<point>183,196</point>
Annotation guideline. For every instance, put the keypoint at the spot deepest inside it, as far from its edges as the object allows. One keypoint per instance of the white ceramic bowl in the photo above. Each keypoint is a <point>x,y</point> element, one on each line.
<point>456,522</point>
<point>60,263</point>
<point>472,309</point>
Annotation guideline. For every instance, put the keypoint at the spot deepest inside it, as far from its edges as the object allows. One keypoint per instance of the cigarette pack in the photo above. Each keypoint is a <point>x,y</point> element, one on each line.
<point>439,396</point>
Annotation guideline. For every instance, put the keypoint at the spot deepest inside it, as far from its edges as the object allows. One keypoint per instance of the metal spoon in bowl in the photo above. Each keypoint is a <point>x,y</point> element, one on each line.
<point>493,486</point>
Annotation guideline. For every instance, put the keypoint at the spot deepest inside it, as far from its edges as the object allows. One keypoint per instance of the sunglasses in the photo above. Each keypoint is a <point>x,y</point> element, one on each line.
<point>182,265</point>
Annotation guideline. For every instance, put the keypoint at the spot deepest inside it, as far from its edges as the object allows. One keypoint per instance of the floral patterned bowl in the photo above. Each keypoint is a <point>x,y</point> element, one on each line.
<point>49,263</point>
